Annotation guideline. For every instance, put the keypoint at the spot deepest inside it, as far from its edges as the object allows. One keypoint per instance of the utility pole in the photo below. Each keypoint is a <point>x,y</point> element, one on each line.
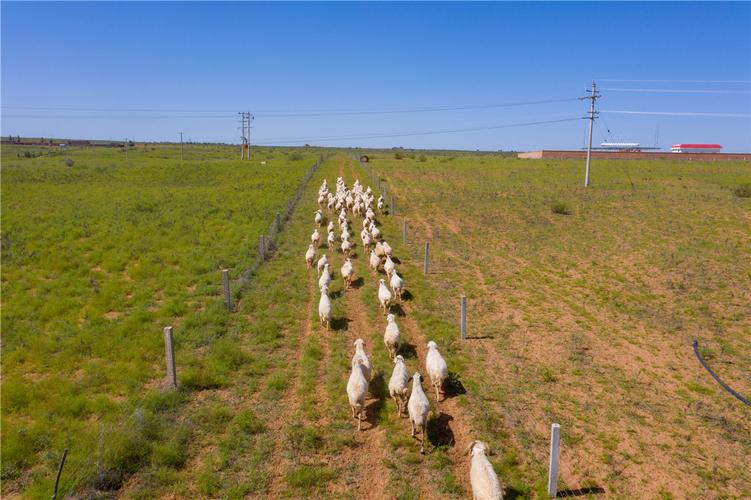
<point>181,146</point>
<point>250,121</point>
<point>592,115</point>
<point>126,149</point>
<point>245,118</point>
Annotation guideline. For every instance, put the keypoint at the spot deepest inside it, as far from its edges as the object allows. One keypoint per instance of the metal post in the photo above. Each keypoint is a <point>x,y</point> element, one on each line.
<point>427,250</point>
<point>225,286</point>
<point>463,324</point>
<point>169,350</point>
<point>404,232</point>
<point>59,471</point>
<point>555,450</point>
<point>181,146</point>
<point>126,149</point>
<point>379,184</point>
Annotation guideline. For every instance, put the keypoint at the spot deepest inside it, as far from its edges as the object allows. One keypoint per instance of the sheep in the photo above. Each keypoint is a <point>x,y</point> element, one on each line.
<point>388,266</point>
<point>397,285</point>
<point>346,248</point>
<point>357,389</point>
<point>380,203</point>
<point>324,308</point>
<point>348,272</point>
<point>331,239</point>
<point>436,367</point>
<point>391,336</point>
<point>325,278</point>
<point>318,218</point>
<point>345,234</point>
<point>375,233</point>
<point>374,261</point>
<point>360,354</point>
<point>399,384</point>
<point>384,296</point>
<point>310,256</point>
<point>418,407</point>
<point>331,226</point>
<point>315,237</point>
<point>485,484</point>
<point>321,264</point>
<point>387,248</point>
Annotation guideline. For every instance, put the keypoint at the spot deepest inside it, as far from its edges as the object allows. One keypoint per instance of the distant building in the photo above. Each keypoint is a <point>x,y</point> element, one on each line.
<point>620,146</point>
<point>696,148</point>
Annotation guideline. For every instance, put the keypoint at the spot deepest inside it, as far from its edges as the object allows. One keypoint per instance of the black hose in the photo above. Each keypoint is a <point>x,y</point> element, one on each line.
<point>718,379</point>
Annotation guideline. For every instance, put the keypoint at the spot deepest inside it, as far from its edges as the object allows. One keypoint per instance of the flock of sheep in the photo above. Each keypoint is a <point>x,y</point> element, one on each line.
<point>359,201</point>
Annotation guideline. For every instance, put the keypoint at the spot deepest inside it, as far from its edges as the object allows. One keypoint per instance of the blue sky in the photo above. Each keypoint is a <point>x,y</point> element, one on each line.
<point>148,70</point>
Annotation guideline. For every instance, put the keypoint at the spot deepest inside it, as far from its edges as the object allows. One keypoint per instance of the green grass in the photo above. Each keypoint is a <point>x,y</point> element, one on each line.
<point>97,258</point>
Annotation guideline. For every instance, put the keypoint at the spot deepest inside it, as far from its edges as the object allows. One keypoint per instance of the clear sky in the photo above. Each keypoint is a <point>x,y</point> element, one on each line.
<point>148,70</point>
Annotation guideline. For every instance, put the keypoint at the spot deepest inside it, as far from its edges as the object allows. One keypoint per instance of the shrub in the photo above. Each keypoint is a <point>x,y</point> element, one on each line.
<point>296,157</point>
<point>69,162</point>
<point>743,191</point>
<point>423,158</point>
<point>309,476</point>
<point>398,156</point>
<point>561,208</point>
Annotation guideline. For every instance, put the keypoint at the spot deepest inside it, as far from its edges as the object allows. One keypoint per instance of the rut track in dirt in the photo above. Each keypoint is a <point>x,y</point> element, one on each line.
<point>451,419</point>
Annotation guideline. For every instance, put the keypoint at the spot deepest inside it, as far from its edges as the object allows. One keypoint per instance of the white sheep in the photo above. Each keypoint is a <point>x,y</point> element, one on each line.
<point>374,261</point>
<point>331,226</point>
<point>392,337</point>
<point>310,256</point>
<point>387,248</point>
<point>315,237</point>
<point>360,354</point>
<point>318,218</point>
<point>325,278</point>
<point>321,263</point>
<point>346,248</point>
<point>348,272</point>
<point>418,407</point>
<point>388,266</point>
<point>397,285</point>
<point>384,296</point>
<point>324,308</point>
<point>331,239</point>
<point>357,389</point>
<point>399,384</point>
<point>482,476</point>
<point>436,367</point>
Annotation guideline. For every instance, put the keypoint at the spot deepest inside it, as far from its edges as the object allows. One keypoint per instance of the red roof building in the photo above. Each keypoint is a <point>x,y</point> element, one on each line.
<point>696,148</point>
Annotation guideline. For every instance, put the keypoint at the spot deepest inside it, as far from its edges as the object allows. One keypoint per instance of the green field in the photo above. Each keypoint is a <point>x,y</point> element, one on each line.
<point>582,308</point>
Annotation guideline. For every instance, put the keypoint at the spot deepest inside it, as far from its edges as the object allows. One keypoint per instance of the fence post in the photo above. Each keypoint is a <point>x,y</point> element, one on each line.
<point>261,247</point>
<point>463,324</point>
<point>555,450</point>
<point>379,184</point>
<point>169,350</point>
<point>404,232</point>
<point>393,206</point>
<point>427,250</point>
<point>225,286</point>
<point>278,222</point>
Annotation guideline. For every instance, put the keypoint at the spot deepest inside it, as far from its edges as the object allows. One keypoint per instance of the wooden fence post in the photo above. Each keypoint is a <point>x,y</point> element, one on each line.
<point>555,450</point>
<point>404,232</point>
<point>225,285</point>
<point>463,323</point>
<point>169,350</point>
<point>427,251</point>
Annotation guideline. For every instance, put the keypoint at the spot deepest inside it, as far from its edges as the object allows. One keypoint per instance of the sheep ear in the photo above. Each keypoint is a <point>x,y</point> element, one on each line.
<point>469,448</point>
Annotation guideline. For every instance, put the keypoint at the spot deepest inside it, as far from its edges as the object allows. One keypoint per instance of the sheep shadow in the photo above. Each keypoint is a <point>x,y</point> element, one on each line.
<point>378,390</point>
<point>580,492</point>
<point>453,386</point>
<point>408,351</point>
<point>397,310</point>
<point>336,294</point>
<point>396,260</point>
<point>479,337</point>
<point>439,430</point>
<point>340,324</point>
<point>407,296</point>
<point>357,283</point>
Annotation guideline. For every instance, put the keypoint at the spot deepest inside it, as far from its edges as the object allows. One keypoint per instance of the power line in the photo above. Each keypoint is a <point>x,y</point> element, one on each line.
<point>673,81</point>
<point>279,113</point>
<point>409,134</point>
<point>677,113</point>
<point>680,91</point>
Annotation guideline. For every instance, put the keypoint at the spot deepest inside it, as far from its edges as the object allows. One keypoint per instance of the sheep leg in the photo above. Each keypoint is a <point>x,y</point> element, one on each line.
<point>424,437</point>
<point>413,426</point>
<point>353,411</point>
<point>437,395</point>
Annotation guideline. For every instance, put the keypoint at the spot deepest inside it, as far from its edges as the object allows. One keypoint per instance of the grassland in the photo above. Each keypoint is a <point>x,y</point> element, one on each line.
<point>97,258</point>
<point>583,305</point>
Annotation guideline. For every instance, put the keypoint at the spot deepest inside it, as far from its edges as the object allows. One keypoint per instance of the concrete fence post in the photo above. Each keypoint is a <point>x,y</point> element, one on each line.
<point>555,451</point>
<point>463,323</point>
<point>427,251</point>
<point>225,287</point>
<point>169,351</point>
